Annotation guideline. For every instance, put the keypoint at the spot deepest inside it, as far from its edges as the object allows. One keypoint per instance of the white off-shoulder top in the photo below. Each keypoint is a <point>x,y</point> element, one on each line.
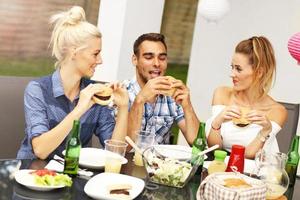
<point>233,134</point>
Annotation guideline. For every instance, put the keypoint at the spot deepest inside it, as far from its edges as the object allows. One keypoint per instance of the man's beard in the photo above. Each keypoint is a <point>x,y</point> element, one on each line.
<point>143,78</point>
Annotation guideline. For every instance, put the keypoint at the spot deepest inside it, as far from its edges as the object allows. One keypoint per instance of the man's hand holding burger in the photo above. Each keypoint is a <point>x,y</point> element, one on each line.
<point>181,94</point>
<point>152,88</point>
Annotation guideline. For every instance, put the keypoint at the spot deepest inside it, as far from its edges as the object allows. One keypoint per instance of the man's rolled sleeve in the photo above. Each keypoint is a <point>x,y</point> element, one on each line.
<point>180,113</point>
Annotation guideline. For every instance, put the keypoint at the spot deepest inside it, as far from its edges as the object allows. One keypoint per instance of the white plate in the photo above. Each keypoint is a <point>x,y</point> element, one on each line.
<point>249,165</point>
<point>24,177</point>
<point>96,187</point>
<point>94,158</point>
<point>175,151</point>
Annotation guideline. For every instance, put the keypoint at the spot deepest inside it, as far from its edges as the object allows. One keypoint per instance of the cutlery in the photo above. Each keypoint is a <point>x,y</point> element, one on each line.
<point>208,150</point>
<point>131,142</point>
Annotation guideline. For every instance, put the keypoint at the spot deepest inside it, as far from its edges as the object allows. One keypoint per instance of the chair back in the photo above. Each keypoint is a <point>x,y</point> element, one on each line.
<point>284,137</point>
<point>12,120</point>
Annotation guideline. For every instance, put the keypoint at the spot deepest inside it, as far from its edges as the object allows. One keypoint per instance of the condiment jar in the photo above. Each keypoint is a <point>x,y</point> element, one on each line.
<point>218,165</point>
<point>236,159</point>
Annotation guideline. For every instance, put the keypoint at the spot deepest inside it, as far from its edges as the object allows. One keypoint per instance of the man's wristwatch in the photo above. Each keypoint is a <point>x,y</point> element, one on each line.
<point>262,138</point>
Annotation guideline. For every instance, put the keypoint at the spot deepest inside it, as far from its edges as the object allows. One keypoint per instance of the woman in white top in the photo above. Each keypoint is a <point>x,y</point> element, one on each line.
<point>252,70</point>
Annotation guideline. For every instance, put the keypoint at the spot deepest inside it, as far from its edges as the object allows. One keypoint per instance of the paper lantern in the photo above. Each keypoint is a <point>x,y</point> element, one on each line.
<point>213,10</point>
<point>294,47</point>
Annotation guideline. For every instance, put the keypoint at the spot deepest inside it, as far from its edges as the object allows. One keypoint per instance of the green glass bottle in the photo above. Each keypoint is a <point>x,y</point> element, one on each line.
<point>199,145</point>
<point>293,160</point>
<point>73,150</point>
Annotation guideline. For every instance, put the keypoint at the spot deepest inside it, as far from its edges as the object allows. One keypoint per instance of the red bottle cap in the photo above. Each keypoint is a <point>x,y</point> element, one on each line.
<point>238,149</point>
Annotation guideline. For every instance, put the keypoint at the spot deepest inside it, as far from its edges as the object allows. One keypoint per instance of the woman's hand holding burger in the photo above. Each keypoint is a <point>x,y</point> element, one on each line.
<point>227,114</point>
<point>120,95</point>
<point>86,95</point>
<point>259,118</point>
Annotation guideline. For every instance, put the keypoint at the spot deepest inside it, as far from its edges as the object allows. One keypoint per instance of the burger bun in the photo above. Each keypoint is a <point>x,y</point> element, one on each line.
<point>171,91</point>
<point>242,121</point>
<point>104,97</point>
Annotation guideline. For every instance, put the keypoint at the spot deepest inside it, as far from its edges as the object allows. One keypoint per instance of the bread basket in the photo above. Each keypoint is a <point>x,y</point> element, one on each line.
<point>217,186</point>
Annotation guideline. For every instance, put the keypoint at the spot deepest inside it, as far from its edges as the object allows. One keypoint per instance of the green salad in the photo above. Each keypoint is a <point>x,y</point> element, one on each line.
<point>46,177</point>
<point>169,171</point>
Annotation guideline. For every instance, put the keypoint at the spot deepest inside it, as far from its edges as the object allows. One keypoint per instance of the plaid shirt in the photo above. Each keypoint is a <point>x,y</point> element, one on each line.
<point>157,117</point>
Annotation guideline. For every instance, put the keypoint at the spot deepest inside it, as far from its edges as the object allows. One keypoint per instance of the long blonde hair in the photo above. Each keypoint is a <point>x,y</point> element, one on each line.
<point>261,56</point>
<point>71,30</point>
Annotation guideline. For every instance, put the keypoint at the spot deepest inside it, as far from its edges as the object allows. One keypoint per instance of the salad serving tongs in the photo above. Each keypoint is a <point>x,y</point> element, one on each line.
<point>136,148</point>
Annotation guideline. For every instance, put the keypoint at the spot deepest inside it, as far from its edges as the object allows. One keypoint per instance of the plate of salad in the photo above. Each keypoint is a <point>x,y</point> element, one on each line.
<point>42,180</point>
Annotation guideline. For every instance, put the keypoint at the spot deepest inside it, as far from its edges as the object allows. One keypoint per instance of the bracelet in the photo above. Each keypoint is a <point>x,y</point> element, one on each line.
<point>262,138</point>
<point>216,129</point>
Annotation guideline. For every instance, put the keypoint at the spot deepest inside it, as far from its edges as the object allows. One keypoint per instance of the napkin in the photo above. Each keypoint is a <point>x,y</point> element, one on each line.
<point>57,164</point>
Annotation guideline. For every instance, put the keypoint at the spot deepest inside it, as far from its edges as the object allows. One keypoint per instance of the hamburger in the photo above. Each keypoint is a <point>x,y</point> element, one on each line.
<point>242,121</point>
<point>104,97</point>
<point>171,91</point>
<point>236,183</point>
<point>120,191</point>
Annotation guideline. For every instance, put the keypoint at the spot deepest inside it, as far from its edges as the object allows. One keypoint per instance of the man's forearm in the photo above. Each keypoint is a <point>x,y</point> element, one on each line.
<point>191,124</point>
<point>135,117</point>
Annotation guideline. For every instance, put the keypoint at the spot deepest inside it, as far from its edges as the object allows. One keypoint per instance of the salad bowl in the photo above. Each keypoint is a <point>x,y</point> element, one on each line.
<point>167,170</point>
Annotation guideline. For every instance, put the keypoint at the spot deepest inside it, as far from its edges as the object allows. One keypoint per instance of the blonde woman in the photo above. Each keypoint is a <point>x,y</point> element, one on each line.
<point>53,102</point>
<point>252,70</point>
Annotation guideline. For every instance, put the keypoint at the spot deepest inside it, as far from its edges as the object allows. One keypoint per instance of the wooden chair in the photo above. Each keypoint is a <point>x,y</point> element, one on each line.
<point>284,137</point>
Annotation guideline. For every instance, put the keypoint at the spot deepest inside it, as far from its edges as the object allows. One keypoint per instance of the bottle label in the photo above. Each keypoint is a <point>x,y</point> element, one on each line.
<point>71,165</point>
<point>195,158</point>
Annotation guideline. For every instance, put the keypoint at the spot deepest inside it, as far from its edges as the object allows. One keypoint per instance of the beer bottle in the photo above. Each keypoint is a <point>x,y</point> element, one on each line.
<point>293,160</point>
<point>199,145</point>
<point>73,150</point>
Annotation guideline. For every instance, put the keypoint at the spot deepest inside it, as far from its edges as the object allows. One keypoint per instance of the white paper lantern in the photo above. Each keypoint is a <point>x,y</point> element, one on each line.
<point>213,10</point>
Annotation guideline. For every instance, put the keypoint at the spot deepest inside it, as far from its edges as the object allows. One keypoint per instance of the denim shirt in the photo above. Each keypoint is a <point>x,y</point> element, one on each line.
<point>46,105</point>
<point>158,117</point>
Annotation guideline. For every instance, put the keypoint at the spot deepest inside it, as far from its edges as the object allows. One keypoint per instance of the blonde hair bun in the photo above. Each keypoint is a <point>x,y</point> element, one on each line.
<point>71,17</point>
<point>71,30</point>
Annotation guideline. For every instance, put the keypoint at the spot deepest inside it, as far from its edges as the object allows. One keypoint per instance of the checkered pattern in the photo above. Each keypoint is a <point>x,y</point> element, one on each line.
<point>158,117</point>
<point>211,188</point>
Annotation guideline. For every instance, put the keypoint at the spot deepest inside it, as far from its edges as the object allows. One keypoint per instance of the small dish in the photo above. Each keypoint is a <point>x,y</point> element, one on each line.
<point>96,187</point>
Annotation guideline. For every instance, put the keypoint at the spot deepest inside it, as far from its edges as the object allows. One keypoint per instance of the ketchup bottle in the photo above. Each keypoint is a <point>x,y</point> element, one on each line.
<point>236,159</point>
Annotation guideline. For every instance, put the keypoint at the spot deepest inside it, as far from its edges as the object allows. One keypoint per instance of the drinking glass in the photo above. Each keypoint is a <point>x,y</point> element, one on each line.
<point>113,162</point>
<point>143,140</point>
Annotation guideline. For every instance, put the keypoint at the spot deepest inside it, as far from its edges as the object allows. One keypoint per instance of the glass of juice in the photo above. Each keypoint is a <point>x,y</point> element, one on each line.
<point>113,164</point>
<point>113,161</point>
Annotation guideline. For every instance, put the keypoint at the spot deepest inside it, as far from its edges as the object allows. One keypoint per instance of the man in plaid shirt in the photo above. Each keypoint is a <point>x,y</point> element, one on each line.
<point>149,109</point>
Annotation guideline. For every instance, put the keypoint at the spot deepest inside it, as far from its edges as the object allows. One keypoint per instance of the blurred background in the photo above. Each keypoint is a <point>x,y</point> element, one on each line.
<point>25,34</point>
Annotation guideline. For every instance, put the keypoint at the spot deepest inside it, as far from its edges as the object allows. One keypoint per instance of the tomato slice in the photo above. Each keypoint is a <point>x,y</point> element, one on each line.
<point>43,172</point>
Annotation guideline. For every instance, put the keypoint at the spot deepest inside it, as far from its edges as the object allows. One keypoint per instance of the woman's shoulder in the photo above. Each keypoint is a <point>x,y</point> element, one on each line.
<point>222,95</point>
<point>278,112</point>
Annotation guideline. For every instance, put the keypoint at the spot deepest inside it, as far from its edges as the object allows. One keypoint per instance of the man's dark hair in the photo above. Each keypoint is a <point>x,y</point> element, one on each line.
<point>155,37</point>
